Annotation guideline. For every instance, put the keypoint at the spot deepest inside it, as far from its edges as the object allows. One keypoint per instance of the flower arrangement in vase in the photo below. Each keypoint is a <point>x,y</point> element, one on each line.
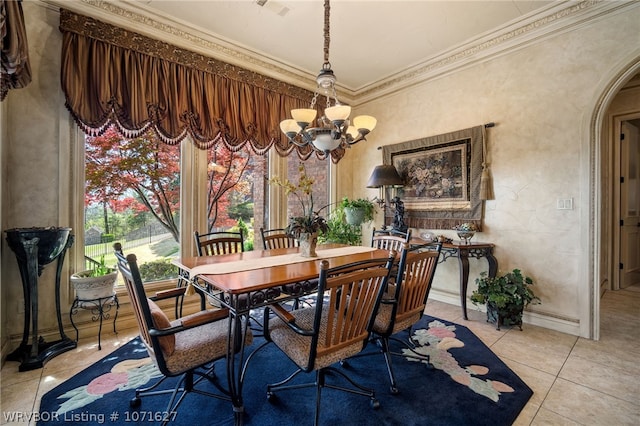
<point>305,227</point>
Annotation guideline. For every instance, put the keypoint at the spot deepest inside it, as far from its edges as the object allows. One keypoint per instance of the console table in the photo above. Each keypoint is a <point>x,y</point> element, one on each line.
<point>463,252</point>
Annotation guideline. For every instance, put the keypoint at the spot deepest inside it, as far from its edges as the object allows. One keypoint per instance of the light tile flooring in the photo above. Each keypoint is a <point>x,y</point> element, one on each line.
<point>575,381</point>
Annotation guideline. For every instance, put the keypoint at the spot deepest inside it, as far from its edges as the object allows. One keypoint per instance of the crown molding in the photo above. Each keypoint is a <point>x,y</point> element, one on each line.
<point>557,18</point>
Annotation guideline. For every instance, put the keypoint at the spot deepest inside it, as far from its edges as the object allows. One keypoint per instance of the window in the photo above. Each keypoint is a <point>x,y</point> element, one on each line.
<point>132,196</point>
<point>150,197</point>
<point>235,191</point>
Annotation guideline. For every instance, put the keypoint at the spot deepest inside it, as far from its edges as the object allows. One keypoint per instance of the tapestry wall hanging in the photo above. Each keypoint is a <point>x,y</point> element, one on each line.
<point>441,177</point>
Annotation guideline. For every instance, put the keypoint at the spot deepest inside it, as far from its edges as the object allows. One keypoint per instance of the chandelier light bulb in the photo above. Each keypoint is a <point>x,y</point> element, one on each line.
<point>352,131</point>
<point>365,122</point>
<point>337,112</point>
<point>304,115</point>
<point>289,126</point>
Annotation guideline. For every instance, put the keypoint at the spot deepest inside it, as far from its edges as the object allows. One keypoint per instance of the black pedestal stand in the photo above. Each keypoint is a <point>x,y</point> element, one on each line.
<point>35,248</point>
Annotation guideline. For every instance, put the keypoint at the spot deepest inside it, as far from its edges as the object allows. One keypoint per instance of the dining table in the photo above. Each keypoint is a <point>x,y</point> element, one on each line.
<point>252,279</point>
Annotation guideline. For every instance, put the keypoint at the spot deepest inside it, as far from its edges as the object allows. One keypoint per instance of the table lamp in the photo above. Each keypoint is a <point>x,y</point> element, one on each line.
<point>381,177</point>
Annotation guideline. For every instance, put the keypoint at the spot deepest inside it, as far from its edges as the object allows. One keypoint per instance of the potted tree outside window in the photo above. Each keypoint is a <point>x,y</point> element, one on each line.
<point>505,297</point>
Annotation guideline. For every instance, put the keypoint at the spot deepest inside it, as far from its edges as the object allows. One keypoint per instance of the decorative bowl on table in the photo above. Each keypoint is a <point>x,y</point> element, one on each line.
<point>466,235</point>
<point>466,231</point>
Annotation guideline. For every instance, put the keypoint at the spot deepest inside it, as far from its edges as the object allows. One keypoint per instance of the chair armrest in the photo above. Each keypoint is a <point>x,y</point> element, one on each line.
<point>195,320</point>
<point>167,294</point>
<point>286,317</point>
<point>282,313</point>
<point>204,317</point>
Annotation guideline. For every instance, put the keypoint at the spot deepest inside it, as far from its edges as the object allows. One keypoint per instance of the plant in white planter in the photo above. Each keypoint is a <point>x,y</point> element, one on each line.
<point>95,283</point>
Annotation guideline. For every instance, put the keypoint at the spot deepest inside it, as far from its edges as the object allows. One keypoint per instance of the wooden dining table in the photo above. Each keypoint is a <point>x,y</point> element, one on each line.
<point>252,279</point>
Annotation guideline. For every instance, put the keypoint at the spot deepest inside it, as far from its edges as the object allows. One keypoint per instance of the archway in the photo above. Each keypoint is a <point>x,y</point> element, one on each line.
<point>592,240</point>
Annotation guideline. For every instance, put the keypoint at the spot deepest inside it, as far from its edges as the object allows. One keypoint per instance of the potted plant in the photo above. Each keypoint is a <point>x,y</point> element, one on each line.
<point>505,297</point>
<point>304,228</point>
<point>96,283</point>
<point>339,231</point>
<point>358,211</point>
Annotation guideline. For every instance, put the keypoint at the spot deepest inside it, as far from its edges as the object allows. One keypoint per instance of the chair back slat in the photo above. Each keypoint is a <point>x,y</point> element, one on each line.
<point>353,298</point>
<point>217,243</point>
<point>414,281</point>
<point>277,238</point>
<point>138,297</point>
<point>389,239</point>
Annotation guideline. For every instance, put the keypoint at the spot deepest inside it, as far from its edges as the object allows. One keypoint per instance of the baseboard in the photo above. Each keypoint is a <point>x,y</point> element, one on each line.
<point>88,329</point>
<point>540,319</point>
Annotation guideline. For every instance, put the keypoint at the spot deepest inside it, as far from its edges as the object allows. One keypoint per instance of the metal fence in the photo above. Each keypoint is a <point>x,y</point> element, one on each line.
<point>139,237</point>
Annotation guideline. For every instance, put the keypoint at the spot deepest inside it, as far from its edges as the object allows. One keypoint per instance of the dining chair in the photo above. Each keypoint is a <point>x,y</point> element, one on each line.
<point>186,347</point>
<point>220,242</point>
<point>277,238</point>
<point>226,242</point>
<point>337,327</point>
<point>404,302</point>
<point>389,239</point>
<point>177,293</point>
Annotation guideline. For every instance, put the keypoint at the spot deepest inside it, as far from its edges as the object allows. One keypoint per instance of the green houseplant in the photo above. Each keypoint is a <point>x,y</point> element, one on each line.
<point>357,211</point>
<point>339,231</point>
<point>505,297</point>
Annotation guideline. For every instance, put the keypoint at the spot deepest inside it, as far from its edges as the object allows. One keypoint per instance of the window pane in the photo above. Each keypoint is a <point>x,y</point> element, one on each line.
<point>132,196</point>
<point>236,191</point>
<point>316,169</point>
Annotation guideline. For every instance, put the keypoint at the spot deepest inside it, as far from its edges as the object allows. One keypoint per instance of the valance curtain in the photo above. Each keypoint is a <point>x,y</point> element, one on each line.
<point>114,76</point>
<point>16,71</point>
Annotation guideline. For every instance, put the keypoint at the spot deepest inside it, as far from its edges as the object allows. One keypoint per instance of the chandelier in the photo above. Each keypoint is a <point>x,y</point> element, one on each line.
<point>333,129</point>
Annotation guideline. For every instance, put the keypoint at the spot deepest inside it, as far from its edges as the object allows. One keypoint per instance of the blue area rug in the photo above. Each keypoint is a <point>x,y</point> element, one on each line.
<point>466,384</point>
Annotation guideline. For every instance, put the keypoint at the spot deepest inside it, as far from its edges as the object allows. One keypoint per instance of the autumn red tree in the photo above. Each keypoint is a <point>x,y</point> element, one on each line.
<point>229,175</point>
<point>144,168</point>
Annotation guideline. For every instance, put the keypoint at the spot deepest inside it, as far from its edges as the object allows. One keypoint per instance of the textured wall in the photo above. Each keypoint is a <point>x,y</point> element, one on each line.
<point>540,98</point>
<point>36,125</point>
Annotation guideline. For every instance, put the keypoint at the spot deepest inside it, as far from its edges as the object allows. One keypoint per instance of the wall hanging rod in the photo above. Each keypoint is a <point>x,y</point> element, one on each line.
<point>486,126</point>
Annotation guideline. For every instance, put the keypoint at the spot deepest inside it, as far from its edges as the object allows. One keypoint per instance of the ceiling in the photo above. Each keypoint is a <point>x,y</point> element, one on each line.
<point>370,40</point>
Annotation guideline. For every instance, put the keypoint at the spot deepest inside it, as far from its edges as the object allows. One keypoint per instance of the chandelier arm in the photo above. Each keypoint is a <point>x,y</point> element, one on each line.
<point>360,138</point>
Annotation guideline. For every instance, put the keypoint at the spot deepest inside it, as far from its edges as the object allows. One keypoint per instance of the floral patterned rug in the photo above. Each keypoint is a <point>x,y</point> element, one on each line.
<point>464,383</point>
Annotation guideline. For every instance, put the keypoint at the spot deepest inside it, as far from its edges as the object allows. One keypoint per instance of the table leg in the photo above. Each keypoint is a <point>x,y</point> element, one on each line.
<point>463,260</point>
<point>493,263</point>
<point>238,325</point>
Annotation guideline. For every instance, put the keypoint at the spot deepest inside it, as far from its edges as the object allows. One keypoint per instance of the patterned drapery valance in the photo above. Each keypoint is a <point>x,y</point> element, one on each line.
<point>114,76</point>
<point>16,71</point>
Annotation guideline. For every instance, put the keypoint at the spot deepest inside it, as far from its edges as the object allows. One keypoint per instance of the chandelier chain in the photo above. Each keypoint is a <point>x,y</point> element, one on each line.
<point>327,37</point>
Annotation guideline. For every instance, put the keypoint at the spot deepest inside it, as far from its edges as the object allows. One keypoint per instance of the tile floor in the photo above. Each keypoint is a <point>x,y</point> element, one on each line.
<point>575,381</point>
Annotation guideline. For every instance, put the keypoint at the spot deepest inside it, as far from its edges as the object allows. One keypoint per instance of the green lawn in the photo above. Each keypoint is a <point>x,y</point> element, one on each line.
<point>146,252</point>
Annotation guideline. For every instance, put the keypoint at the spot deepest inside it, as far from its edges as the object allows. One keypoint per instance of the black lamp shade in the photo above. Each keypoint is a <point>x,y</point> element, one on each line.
<point>384,175</point>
